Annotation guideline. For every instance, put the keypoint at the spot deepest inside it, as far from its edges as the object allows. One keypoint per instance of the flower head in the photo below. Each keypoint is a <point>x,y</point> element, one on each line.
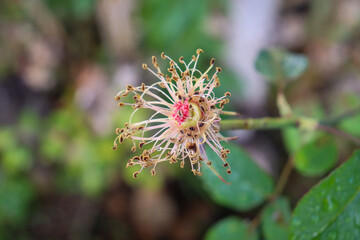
<point>186,115</point>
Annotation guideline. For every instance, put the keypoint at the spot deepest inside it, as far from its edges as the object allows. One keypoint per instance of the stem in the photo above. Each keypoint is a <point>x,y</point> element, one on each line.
<point>259,123</point>
<point>343,116</point>
<point>284,176</point>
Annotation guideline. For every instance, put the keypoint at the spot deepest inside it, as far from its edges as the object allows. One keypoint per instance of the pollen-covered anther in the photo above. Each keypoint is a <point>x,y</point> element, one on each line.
<point>212,61</point>
<point>218,69</point>
<point>141,144</point>
<point>227,94</point>
<point>135,174</point>
<point>117,98</point>
<point>163,56</point>
<point>120,104</point>
<point>144,66</point>
<point>129,88</point>
<point>133,149</point>
<point>199,51</point>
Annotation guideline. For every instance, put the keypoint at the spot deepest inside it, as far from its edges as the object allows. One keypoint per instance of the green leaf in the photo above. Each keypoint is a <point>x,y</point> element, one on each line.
<point>249,186</point>
<point>275,63</point>
<point>276,220</point>
<point>15,198</point>
<point>317,157</point>
<point>331,209</point>
<point>231,228</point>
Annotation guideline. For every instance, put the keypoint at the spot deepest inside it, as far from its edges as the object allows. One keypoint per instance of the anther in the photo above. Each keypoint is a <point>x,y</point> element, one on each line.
<point>133,149</point>
<point>153,172</point>
<point>154,60</point>
<point>199,51</point>
<point>142,86</point>
<point>163,55</point>
<point>144,66</point>
<point>120,104</point>
<point>135,174</point>
<point>212,61</point>
<point>129,87</point>
<point>117,98</point>
<point>218,69</point>
<point>227,94</point>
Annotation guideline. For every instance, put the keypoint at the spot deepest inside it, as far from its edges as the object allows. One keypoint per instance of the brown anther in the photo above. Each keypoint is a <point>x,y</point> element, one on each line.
<point>226,164</point>
<point>153,59</point>
<point>227,94</point>
<point>153,172</point>
<point>201,124</point>
<point>141,144</point>
<point>143,86</point>
<point>144,66</point>
<point>228,171</point>
<point>115,146</point>
<point>218,69</point>
<point>136,174</point>
<point>163,56</point>
<point>181,59</point>
<point>133,149</point>
<point>120,104</point>
<point>199,51</point>
<point>194,171</point>
<point>117,98</point>
<point>193,58</point>
<point>212,61</point>
<point>121,139</point>
<point>209,163</point>
<point>182,164</point>
<point>198,172</point>
<point>129,87</point>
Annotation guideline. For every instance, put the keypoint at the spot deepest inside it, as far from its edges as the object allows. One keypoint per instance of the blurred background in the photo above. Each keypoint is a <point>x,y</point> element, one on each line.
<point>63,61</point>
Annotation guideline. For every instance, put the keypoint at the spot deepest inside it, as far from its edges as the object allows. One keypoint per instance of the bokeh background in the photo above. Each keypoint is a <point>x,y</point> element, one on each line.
<point>63,61</point>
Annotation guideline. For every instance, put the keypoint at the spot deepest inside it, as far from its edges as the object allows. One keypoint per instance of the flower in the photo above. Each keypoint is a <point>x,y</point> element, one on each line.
<point>186,117</point>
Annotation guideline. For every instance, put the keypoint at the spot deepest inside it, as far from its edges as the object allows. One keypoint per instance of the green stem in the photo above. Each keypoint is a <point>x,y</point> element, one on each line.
<point>259,123</point>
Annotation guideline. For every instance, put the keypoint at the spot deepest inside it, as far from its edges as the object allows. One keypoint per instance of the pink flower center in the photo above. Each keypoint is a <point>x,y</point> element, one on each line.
<point>181,111</point>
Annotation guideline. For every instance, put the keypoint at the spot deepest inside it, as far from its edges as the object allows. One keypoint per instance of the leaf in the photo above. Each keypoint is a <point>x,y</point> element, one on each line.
<point>276,220</point>
<point>275,63</point>
<point>231,228</point>
<point>331,209</point>
<point>15,198</point>
<point>317,157</point>
<point>249,186</point>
